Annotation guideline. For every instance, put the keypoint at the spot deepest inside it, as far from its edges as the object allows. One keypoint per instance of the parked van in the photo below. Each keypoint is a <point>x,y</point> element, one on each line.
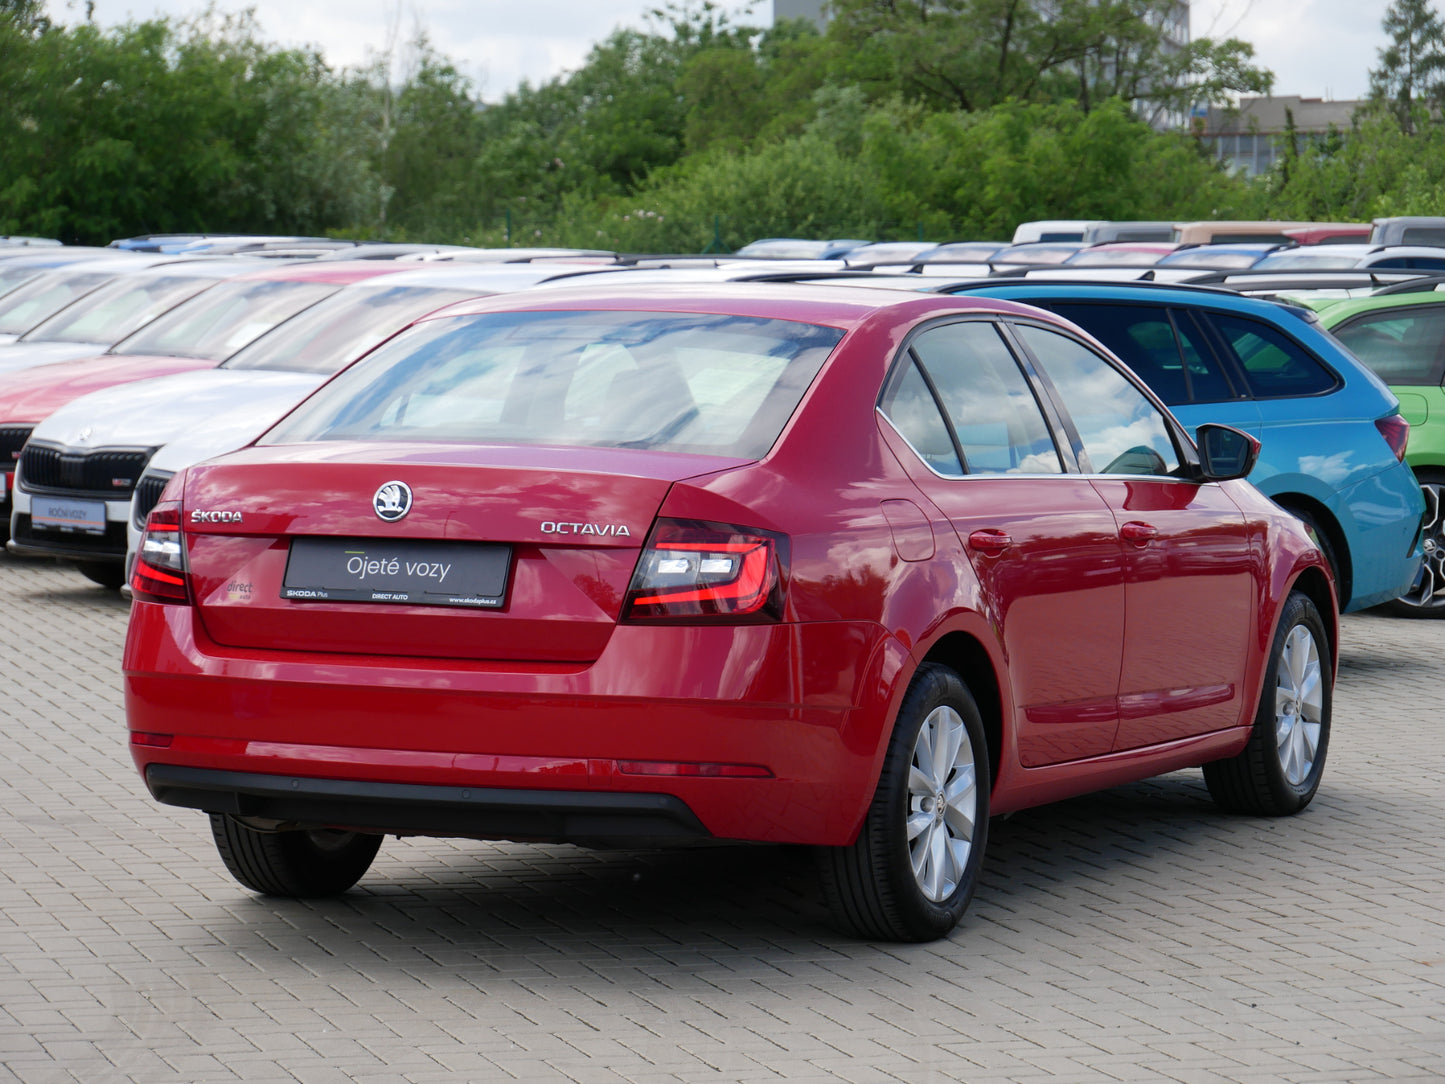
<point>1230,233</point>
<point>1051,230</point>
<point>1101,233</point>
<point>1416,230</point>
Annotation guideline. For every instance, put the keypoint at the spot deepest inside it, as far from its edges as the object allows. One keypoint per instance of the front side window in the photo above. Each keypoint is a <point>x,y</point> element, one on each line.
<point>1122,432</point>
<point>1275,366</point>
<point>686,382</point>
<point>1402,347</point>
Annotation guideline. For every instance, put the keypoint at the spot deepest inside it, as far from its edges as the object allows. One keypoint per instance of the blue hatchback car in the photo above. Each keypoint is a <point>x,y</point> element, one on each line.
<point>1333,439</point>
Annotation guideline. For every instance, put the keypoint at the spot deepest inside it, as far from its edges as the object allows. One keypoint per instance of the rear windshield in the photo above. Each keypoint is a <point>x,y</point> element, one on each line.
<point>333,334</point>
<point>224,319</point>
<point>685,382</point>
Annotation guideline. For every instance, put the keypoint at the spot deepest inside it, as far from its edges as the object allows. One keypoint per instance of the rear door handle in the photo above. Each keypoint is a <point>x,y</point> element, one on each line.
<point>990,541</point>
<point>1141,534</point>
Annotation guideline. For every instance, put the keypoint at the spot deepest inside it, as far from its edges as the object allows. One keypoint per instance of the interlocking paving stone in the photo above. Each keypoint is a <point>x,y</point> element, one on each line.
<point>1133,935</point>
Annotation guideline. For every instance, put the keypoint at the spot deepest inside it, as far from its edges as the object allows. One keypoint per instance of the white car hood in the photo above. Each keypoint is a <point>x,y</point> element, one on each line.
<point>17,356</point>
<point>222,433</point>
<point>149,413</point>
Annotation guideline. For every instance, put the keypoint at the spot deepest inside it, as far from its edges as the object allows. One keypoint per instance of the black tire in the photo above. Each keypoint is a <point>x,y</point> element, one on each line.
<point>298,863</point>
<point>1426,597</point>
<point>1279,770</point>
<point>871,887</point>
<point>102,572</point>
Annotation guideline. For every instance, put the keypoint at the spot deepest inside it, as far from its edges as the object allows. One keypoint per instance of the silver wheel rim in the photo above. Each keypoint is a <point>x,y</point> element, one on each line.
<point>1428,591</point>
<point>942,803</point>
<point>1298,705</point>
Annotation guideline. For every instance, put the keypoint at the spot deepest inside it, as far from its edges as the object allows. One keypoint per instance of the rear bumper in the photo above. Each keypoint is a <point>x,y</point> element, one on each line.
<point>524,751</point>
<point>1382,518</point>
<point>403,808</point>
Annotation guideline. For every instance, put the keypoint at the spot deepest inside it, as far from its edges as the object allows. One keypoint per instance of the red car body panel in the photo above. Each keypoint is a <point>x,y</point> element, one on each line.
<point>32,395</point>
<point>1074,632</point>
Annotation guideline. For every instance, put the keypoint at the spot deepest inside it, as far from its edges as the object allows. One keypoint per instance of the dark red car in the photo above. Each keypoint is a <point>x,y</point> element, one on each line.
<point>816,565</point>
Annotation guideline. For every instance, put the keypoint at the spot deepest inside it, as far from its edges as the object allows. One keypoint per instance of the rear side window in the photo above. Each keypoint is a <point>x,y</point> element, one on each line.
<point>1166,353</point>
<point>1402,347</point>
<point>685,382</point>
<point>909,404</point>
<point>988,400</point>
<point>1276,366</point>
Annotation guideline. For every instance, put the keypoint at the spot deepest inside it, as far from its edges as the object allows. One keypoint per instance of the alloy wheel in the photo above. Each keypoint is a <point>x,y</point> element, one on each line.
<point>1299,704</point>
<point>942,803</point>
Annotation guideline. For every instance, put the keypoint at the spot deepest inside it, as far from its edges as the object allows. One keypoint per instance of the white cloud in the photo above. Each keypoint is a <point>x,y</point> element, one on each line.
<point>1316,48</point>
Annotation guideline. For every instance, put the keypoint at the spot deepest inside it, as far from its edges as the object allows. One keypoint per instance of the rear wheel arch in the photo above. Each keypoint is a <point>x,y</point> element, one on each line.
<point>966,656</point>
<point>1323,521</point>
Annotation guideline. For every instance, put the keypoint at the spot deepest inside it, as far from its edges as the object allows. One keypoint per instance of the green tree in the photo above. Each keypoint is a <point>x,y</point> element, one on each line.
<point>1412,66</point>
<point>972,54</point>
<point>160,126</point>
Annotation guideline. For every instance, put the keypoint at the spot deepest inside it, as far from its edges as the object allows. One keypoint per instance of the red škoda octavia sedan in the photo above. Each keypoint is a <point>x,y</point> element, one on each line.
<point>815,565</point>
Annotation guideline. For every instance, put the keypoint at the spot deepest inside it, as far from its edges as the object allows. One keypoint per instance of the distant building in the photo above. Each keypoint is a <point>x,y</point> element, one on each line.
<point>801,9</point>
<point>1248,138</point>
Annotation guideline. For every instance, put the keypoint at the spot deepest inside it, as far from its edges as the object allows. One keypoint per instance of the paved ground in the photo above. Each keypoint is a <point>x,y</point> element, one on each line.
<point>1137,935</point>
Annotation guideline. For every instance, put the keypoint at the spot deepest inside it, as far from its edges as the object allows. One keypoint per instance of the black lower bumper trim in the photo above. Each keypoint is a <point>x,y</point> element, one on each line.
<point>28,542</point>
<point>423,809</point>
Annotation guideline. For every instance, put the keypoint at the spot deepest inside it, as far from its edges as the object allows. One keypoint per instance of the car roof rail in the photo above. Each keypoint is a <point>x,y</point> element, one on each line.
<point>811,276</point>
<point>1424,284</point>
<point>1139,283</point>
<point>1301,279</point>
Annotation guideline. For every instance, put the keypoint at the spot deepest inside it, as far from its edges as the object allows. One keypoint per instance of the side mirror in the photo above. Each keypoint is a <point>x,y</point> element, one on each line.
<point>1225,452</point>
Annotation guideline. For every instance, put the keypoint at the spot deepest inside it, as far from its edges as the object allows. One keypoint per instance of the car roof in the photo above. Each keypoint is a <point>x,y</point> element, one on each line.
<point>1127,291</point>
<point>339,271</point>
<point>1334,310</point>
<point>828,305</point>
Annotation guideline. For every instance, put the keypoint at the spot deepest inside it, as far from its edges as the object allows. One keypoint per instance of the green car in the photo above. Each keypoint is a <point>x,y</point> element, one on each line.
<point>1399,332</point>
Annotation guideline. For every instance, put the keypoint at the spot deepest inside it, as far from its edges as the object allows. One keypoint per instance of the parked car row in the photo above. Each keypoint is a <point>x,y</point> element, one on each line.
<point>595,551</point>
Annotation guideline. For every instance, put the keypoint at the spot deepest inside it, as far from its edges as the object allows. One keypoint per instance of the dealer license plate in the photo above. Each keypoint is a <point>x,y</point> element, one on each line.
<point>415,573</point>
<point>67,516</point>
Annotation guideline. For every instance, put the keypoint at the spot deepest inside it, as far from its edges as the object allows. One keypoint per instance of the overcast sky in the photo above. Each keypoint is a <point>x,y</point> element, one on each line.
<point>1316,48</point>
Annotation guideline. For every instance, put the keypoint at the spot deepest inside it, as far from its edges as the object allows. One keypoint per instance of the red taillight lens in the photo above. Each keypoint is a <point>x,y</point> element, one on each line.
<point>692,571</point>
<point>160,563</point>
<point>1396,431</point>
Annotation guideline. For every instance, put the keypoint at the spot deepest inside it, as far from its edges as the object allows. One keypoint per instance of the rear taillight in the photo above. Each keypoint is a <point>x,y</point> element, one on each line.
<point>708,572</point>
<point>1396,431</point>
<point>160,562</point>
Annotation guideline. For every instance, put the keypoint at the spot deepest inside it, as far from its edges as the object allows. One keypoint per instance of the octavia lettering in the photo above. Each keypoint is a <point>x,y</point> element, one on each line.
<point>614,530</point>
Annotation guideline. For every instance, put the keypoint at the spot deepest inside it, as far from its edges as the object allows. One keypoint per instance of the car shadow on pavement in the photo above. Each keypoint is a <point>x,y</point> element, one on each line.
<point>733,909</point>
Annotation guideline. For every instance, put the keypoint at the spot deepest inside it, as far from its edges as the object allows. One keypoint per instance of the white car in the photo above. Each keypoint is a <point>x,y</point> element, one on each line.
<point>62,505</point>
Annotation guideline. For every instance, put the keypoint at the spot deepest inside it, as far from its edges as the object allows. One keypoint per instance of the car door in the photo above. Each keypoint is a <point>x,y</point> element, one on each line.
<point>1190,589</point>
<point>1041,540</point>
